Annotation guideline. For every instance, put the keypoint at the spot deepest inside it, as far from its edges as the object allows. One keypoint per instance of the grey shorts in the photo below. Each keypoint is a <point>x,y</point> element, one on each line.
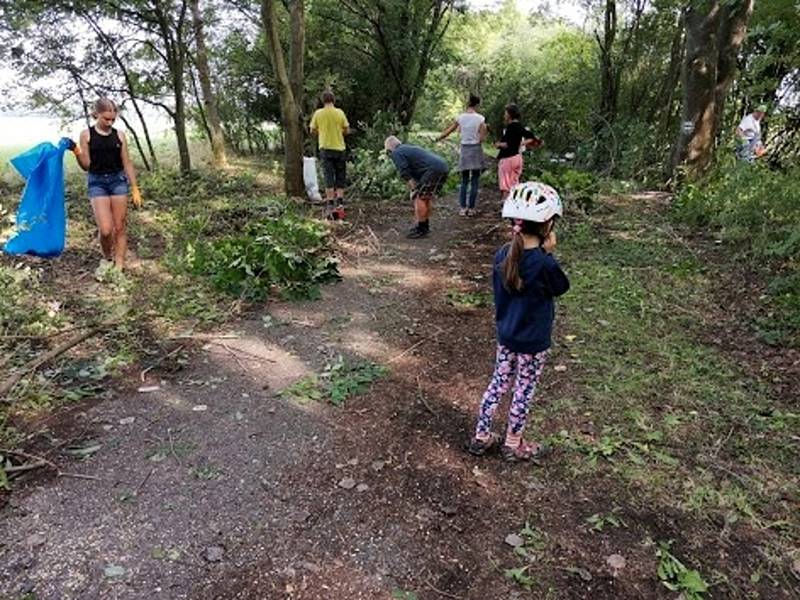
<point>102,185</point>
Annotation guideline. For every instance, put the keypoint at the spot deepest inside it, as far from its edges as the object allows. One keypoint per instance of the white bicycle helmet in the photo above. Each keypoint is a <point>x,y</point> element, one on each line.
<point>532,201</point>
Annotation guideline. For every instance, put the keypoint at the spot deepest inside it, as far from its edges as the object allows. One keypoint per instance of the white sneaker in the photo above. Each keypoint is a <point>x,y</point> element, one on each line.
<point>463,212</point>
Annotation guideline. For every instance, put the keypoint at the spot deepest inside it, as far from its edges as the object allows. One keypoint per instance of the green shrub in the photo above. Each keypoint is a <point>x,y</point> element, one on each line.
<point>748,204</point>
<point>373,173</point>
<point>574,186</point>
<point>290,253</point>
<point>758,210</point>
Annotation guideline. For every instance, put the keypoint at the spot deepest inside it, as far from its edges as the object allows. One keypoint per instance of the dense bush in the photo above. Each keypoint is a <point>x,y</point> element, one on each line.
<point>373,173</point>
<point>289,253</point>
<point>749,204</point>
<point>758,209</point>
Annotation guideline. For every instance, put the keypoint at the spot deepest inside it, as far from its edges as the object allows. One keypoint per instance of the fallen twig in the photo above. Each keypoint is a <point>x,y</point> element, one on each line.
<point>40,461</point>
<point>144,481</point>
<point>172,448</point>
<point>79,476</point>
<point>406,351</point>
<point>423,400</point>
<point>440,592</point>
<point>32,457</point>
<point>48,336</point>
<point>159,361</point>
<point>250,355</point>
<point>9,383</point>
<point>24,468</point>
<point>206,336</point>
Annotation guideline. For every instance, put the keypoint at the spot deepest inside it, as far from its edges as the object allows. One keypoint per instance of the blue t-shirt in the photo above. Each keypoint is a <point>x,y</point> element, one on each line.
<point>414,162</point>
<point>525,318</point>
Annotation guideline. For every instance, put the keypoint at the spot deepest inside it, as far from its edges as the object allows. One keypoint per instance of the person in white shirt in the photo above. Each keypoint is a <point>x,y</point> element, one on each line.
<point>472,127</point>
<point>748,134</point>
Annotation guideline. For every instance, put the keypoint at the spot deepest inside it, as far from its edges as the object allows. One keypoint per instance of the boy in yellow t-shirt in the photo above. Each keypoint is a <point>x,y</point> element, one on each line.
<point>330,124</point>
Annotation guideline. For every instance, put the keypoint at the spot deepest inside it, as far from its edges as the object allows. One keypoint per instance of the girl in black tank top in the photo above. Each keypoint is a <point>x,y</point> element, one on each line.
<point>105,152</point>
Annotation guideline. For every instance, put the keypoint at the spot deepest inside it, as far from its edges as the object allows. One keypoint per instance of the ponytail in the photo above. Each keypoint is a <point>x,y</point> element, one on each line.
<point>512,279</point>
<point>510,265</point>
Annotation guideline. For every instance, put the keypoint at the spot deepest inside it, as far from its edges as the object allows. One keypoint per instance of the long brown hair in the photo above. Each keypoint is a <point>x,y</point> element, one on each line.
<point>510,266</point>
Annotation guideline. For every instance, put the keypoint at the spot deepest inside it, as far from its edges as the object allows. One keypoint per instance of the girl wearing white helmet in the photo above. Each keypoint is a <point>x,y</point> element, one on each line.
<point>526,279</point>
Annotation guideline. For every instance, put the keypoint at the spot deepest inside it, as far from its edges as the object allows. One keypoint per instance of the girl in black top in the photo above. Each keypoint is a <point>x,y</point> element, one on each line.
<point>103,152</point>
<point>509,159</point>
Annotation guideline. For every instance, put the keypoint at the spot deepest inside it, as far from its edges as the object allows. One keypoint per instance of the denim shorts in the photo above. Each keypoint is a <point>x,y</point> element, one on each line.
<point>108,184</point>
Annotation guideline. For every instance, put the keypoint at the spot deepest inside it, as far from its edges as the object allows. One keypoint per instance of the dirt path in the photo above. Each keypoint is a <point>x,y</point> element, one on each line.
<point>214,486</point>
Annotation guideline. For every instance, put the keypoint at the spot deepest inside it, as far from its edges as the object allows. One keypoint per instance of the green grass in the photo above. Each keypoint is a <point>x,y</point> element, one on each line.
<point>675,419</point>
<point>339,381</point>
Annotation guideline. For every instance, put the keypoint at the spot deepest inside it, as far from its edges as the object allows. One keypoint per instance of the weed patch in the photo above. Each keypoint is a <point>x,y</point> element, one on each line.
<point>677,577</point>
<point>290,253</point>
<point>468,299</point>
<point>340,380</point>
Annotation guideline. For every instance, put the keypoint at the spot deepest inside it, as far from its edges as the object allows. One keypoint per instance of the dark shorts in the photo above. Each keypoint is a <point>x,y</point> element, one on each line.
<point>334,165</point>
<point>108,184</point>
<point>431,183</point>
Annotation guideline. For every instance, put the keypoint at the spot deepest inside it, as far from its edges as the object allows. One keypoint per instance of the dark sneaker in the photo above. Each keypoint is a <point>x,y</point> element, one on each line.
<point>478,447</point>
<point>417,233</point>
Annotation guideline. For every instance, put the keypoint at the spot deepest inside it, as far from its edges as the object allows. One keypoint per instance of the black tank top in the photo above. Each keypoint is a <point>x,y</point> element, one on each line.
<point>105,152</point>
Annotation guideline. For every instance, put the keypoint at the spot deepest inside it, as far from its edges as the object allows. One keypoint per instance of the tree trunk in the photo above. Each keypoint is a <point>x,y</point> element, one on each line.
<point>713,37</point>
<point>609,80</point>
<point>173,37</point>
<point>209,96</point>
<point>179,119</point>
<point>669,85</point>
<point>290,110</point>
<point>199,100</point>
<point>733,30</point>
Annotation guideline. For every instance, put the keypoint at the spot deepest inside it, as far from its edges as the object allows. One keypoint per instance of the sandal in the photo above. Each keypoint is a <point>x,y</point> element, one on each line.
<point>478,447</point>
<point>524,451</point>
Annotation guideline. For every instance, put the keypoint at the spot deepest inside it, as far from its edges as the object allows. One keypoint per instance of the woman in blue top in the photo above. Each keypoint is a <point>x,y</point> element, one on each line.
<point>526,280</point>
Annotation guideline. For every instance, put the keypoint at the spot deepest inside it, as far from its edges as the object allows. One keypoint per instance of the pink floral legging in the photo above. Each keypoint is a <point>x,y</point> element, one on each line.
<point>528,369</point>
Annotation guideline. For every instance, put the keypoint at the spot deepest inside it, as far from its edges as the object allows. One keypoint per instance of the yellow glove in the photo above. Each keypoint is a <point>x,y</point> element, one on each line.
<point>136,196</point>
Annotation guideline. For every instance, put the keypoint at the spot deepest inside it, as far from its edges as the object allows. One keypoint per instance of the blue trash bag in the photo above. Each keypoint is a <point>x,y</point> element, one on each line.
<point>41,218</point>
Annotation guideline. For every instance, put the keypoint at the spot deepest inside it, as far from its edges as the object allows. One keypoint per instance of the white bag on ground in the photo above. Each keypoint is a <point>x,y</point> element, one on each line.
<point>310,178</point>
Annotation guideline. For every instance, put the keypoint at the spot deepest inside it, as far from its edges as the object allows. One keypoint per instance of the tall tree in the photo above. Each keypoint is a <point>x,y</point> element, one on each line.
<point>609,70</point>
<point>715,30</point>
<point>615,54</point>
<point>209,96</point>
<point>402,38</point>
<point>290,86</point>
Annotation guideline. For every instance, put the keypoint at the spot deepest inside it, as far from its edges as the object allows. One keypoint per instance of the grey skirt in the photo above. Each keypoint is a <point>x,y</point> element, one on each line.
<point>471,158</point>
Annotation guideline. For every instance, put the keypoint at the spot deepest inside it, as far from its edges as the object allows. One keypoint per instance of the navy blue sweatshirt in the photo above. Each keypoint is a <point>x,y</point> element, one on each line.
<point>525,318</point>
<point>414,162</point>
